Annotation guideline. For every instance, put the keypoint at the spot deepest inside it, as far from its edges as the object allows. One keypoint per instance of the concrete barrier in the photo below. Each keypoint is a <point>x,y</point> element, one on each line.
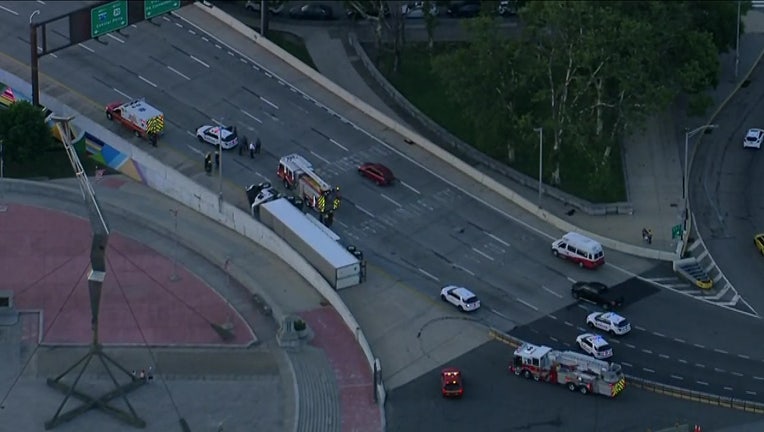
<point>435,150</point>
<point>182,189</point>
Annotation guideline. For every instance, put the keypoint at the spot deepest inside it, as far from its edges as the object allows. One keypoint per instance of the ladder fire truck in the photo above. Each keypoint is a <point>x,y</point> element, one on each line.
<point>143,119</point>
<point>297,173</point>
<point>576,371</point>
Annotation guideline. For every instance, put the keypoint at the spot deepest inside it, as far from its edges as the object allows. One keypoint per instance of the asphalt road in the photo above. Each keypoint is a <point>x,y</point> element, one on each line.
<point>727,189</point>
<point>424,229</point>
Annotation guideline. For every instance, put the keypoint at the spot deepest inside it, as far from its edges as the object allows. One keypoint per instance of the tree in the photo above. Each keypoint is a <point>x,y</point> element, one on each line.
<point>23,132</point>
<point>430,22</point>
<point>376,11</point>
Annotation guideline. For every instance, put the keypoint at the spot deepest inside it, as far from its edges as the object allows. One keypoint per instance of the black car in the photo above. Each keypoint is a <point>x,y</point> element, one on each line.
<point>597,293</point>
<point>311,11</point>
<point>463,9</point>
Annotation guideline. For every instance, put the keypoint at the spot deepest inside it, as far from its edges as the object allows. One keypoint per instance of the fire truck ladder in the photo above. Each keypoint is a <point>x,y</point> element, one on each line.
<point>305,167</point>
<point>582,361</point>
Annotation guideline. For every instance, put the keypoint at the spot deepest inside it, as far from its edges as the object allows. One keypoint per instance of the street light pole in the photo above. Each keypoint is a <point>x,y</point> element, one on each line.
<point>685,179</point>
<point>541,157</point>
<point>737,41</point>
<point>220,167</point>
<point>3,207</point>
<point>35,59</point>
<point>174,276</point>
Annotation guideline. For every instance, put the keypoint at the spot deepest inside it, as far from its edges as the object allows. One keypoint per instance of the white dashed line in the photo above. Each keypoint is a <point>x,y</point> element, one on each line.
<point>664,356</point>
<point>680,340</point>
<point>391,200</point>
<point>500,314</point>
<point>630,345</point>
<point>338,144</point>
<point>719,370</point>
<point>230,53</point>
<point>205,39</point>
<point>758,378</point>
<point>123,93</point>
<point>551,292</point>
<point>166,19</point>
<point>429,275</point>
<point>646,351</point>
<point>497,239</point>
<point>639,328</point>
<point>700,365</point>
<point>554,339</point>
<point>271,103</point>
<point>320,157</point>
<point>737,374</point>
<point>191,31</point>
<point>659,334</point>
<point>627,364</point>
<point>699,346</point>
<point>41,2</point>
<point>553,317</point>
<point>243,60</point>
<point>200,62</point>
<point>752,393</point>
<point>702,383</point>
<point>728,388</point>
<point>179,73</point>
<point>571,279</point>
<point>86,48</point>
<point>615,341</point>
<point>111,36</point>
<point>523,302</point>
<point>720,351</point>
<point>255,119</point>
<point>683,361</point>
<point>194,149</point>
<point>464,269</point>
<point>568,323</point>
<point>218,46</point>
<point>10,11</point>
<point>648,370</point>
<point>411,188</point>
<point>268,74</point>
<point>743,356</point>
<point>478,251</point>
<point>364,210</point>
<point>147,81</point>
<point>179,25</point>
<point>191,133</point>
<point>677,377</point>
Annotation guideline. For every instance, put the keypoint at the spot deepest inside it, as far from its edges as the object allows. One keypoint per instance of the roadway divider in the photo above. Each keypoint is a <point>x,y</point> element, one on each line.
<point>425,144</point>
<point>691,270</point>
<point>176,186</point>
<point>656,387</point>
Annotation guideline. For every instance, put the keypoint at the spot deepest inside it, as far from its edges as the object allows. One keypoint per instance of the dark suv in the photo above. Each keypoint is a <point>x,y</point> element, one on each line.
<point>597,293</point>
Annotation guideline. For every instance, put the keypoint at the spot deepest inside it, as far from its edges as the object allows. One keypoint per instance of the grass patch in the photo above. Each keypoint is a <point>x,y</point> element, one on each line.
<point>421,86</point>
<point>292,44</point>
<point>52,163</point>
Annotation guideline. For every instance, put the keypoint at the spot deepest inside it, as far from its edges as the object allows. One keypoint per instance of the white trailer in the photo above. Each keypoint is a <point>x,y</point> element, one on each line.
<point>340,267</point>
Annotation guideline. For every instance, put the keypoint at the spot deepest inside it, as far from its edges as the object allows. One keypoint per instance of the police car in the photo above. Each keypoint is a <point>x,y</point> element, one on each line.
<point>594,345</point>
<point>224,137</point>
<point>610,322</point>
<point>464,299</point>
<point>753,138</point>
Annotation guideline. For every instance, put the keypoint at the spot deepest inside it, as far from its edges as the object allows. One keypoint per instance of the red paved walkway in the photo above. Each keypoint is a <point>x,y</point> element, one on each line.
<point>44,260</point>
<point>358,410</point>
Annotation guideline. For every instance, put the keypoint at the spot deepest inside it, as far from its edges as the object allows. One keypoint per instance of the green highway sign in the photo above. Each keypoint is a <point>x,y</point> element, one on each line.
<point>108,18</point>
<point>153,8</point>
<point>676,231</point>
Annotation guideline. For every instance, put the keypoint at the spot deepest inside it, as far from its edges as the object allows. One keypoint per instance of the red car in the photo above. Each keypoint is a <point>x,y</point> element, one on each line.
<point>451,382</point>
<point>378,173</point>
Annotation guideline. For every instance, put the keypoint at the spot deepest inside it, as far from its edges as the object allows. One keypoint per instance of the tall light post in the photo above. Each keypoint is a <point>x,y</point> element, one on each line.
<point>3,207</point>
<point>174,276</point>
<point>685,179</point>
<point>220,166</point>
<point>541,157</point>
<point>737,41</point>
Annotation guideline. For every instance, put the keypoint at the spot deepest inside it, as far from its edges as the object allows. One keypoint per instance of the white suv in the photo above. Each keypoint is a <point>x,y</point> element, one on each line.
<point>594,345</point>
<point>610,322</point>
<point>218,136</point>
<point>753,138</point>
<point>464,299</point>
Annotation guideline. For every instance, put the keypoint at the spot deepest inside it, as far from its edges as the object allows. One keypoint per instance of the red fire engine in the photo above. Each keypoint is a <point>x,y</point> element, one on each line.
<point>451,383</point>
<point>297,173</point>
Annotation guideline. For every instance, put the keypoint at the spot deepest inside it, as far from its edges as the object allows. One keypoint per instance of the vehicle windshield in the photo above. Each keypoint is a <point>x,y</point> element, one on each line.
<point>451,386</point>
<point>624,323</point>
<point>471,300</point>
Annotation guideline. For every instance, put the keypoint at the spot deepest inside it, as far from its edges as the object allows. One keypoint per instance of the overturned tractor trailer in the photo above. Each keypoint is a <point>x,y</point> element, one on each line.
<point>315,242</point>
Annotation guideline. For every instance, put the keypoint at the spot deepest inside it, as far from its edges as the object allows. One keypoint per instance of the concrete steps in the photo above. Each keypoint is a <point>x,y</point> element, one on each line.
<point>319,398</point>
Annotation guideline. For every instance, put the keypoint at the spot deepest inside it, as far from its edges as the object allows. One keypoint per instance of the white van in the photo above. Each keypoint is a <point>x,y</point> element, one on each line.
<point>579,249</point>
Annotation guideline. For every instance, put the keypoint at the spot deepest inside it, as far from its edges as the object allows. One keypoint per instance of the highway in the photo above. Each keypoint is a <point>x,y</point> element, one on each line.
<point>425,230</point>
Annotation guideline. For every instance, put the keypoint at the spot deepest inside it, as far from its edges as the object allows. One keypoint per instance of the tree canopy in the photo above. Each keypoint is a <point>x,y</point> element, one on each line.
<point>587,72</point>
<point>23,132</point>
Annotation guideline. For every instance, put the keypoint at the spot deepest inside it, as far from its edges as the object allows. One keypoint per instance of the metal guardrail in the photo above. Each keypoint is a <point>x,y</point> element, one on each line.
<point>656,387</point>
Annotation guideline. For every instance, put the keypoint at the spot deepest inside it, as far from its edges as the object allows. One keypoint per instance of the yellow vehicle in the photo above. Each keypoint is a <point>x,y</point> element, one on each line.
<point>758,240</point>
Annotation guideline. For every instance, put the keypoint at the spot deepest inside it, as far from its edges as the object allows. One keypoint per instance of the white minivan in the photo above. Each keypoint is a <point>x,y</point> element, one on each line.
<point>579,249</point>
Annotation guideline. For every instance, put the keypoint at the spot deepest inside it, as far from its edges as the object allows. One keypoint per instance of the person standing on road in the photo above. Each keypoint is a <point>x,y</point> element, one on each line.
<point>257,145</point>
<point>251,150</point>
<point>217,159</point>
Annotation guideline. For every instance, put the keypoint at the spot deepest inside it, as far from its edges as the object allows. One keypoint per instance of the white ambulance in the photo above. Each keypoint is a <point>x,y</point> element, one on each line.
<point>579,249</point>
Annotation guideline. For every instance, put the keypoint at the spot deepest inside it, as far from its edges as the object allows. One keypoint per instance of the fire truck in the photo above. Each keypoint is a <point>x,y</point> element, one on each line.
<point>576,371</point>
<point>297,174</point>
<point>143,119</point>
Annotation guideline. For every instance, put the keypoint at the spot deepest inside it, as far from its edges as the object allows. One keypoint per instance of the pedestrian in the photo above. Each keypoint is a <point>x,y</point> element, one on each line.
<point>143,375</point>
<point>649,236</point>
<point>251,150</point>
<point>151,374</point>
<point>257,145</point>
<point>133,373</point>
<point>243,144</point>
<point>217,159</point>
<point>208,163</point>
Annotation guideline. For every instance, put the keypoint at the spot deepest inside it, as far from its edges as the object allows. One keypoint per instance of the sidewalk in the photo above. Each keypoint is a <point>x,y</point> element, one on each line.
<point>653,157</point>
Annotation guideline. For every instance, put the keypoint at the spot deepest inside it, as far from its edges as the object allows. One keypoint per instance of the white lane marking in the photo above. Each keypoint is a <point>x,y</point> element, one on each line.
<point>133,26</point>
<point>677,377</point>
<point>478,251</point>
<point>243,60</point>
<point>554,339</point>
<point>581,329</point>
<point>191,133</point>
<point>700,365</point>
<point>553,317</point>
<point>630,346</point>
<point>264,178</point>
<point>571,279</point>
<point>568,323</point>
<point>338,144</point>
<point>663,356</point>
<point>743,356</point>
<point>41,2</point>
<point>230,53</point>
<point>521,301</point>
<point>179,25</point>
<point>728,388</point>
<point>165,18</point>
<point>737,374</point>
<point>615,341</point>
<point>86,48</point>
<point>683,361</point>
<point>752,393</point>
<point>10,11</point>
<point>320,157</point>
<point>256,119</point>
<point>195,150</point>
<point>122,93</point>
<point>115,38</point>
<point>191,31</point>
<point>391,200</point>
<point>147,81</point>
<point>702,383</point>
<point>627,364</point>
<point>179,73</point>
<point>699,346</point>
<point>269,102</point>
<point>342,224</point>
<point>464,269</point>
<point>429,275</point>
<point>411,188</point>
<point>648,370</point>
<point>639,328</point>
<point>200,62</point>
<point>205,39</point>
<point>680,340</point>
<point>646,351</point>
<point>719,370</point>
<point>500,314</point>
<point>497,239</point>
<point>659,334</point>
<point>720,351</point>
<point>758,378</point>
<point>364,210</point>
<point>551,292</point>
<point>268,75</point>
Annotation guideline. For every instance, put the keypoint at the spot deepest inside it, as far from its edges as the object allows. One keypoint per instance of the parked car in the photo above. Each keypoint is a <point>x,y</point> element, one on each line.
<point>753,138</point>
<point>463,9</point>
<point>758,241</point>
<point>507,8</point>
<point>451,382</point>
<point>596,293</point>
<point>377,172</point>
<point>594,345</point>
<point>610,322</point>
<point>224,137</point>
<point>416,10</point>
<point>274,8</point>
<point>464,299</point>
<point>366,11</point>
<point>312,11</point>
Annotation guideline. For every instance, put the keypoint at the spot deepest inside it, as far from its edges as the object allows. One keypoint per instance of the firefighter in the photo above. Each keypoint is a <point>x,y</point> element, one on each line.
<point>208,163</point>
<point>217,159</point>
<point>257,145</point>
<point>244,143</point>
<point>153,139</point>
